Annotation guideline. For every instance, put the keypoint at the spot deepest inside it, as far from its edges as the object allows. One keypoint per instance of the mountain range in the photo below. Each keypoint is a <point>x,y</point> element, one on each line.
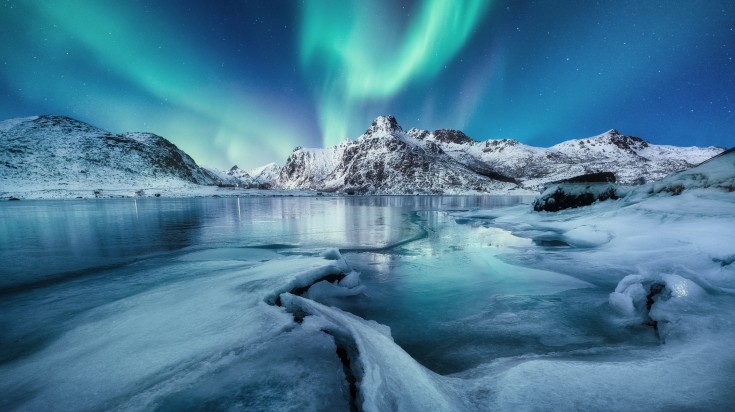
<point>47,153</point>
<point>386,159</point>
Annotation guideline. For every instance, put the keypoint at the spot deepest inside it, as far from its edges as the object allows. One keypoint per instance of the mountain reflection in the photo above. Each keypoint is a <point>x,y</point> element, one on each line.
<point>43,240</point>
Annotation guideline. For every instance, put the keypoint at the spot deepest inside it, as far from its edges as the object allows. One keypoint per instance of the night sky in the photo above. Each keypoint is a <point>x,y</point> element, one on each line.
<point>244,82</point>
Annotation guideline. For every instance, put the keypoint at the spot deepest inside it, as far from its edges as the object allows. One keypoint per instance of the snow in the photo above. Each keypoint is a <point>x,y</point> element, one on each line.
<point>62,156</point>
<point>265,174</point>
<point>536,166</point>
<point>9,124</point>
<point>313,165</point>
<point>631,246</point>
<point>224,177</point>
<point>208,320</point>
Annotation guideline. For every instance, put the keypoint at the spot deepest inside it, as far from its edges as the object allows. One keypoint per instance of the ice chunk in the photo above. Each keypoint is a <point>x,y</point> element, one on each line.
<point>305,278</point>
<point>351,280</point>
<point>325,290</point>
<point>629,298</point>
<point>622,303</point>
<point>332,254</point>
<point>678,311</point>
<point>389,379</point>
<point>680,287</point>
<point>586,236</point>
<point>627,282</point>
<point>189,340</point>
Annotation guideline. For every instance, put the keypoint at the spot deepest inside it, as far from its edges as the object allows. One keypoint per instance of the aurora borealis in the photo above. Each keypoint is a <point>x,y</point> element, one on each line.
<point>244,82</point>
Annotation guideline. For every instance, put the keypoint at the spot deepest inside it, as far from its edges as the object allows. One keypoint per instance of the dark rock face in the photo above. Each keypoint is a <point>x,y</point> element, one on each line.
<point>418,134</point>
<point>483,169</point>
<point>452,136</point>
<point>600,177</point>
<point>295,165</point>
<point>577,191</point>
<point>563,198</point>
<point>628,143</point>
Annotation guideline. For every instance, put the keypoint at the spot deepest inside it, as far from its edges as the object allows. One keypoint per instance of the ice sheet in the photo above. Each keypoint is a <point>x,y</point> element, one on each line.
<point>142,350</point>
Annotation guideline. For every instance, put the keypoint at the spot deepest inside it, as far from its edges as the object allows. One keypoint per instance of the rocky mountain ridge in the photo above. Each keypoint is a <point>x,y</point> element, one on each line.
<point>385,159</point>
<point>59,152</point>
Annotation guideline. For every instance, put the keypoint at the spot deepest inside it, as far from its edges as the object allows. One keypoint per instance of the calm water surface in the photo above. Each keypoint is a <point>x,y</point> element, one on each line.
<point>58,240</point>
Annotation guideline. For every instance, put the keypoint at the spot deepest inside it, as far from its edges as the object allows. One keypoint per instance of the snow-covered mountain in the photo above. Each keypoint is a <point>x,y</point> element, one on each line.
<point>56,152</point>
<point>631,159</point>
<point>266,174</point>
<point>716,173</point>
<point>385,159</point>
<point>307,168</point>
<point>60,153</point>
<point>262,177</point>
<point>230,178</point>
<point>239,177</point>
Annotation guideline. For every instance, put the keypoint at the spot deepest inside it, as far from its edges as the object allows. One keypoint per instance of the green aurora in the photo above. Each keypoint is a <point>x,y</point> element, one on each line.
<point>244,82</point>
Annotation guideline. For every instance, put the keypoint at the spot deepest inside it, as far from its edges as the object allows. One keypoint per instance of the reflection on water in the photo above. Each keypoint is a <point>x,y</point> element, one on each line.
<point>47,240</point>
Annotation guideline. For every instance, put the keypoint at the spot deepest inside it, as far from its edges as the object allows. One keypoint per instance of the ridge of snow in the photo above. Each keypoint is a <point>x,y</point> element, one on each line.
<point>6,125</point>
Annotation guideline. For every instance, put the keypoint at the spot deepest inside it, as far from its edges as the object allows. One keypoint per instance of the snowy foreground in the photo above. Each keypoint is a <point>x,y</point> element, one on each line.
<point>685,244</point>
<point>435,308</point>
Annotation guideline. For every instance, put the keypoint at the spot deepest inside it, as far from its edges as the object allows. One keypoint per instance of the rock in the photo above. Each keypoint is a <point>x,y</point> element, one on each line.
<point>599,177</point>
<point>577,191</point>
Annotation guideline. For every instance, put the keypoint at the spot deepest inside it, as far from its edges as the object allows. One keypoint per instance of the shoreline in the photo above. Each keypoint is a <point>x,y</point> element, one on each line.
<point>212,191</point>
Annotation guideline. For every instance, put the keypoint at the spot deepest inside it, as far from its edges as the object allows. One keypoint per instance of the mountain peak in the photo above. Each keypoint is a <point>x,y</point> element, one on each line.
<point>452,136</point>
<point>384,124</point>
<point>627,142</point>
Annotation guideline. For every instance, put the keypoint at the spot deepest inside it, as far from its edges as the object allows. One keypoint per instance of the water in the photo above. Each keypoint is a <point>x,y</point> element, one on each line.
<point>48,240</point>
<point>163,303</point>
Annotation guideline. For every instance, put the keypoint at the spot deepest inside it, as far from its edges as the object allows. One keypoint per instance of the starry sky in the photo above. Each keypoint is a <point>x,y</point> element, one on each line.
<point>244,82</point>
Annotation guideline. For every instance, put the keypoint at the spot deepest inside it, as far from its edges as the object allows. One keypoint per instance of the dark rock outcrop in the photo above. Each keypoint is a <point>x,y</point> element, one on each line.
<point>577,191</point>
<point>599,177</point>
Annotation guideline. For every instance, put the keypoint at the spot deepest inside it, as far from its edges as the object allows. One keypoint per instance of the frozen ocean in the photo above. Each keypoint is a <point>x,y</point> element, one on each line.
<point>367,303</point>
